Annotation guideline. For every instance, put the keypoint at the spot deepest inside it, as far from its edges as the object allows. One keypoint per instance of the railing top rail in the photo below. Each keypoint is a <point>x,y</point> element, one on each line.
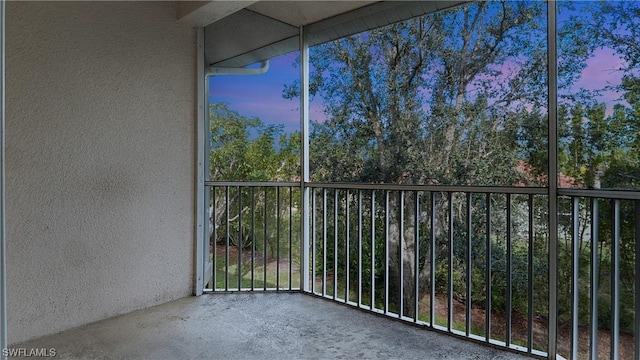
<point>442,188</point>
<point>573,192</point>
<point>601,193</point>
<point>252,183</point>
<point>365,186</point>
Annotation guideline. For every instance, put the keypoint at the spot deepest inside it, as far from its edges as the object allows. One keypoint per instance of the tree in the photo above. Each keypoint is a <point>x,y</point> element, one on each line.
<point>246,149</point>
<point>434,100</point>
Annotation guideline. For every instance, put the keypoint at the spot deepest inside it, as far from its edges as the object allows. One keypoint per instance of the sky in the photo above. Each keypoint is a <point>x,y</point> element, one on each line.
<point>261,95</point>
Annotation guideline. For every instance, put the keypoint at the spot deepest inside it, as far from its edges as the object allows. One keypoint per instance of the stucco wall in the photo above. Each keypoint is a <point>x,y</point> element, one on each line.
<point>100,161</point>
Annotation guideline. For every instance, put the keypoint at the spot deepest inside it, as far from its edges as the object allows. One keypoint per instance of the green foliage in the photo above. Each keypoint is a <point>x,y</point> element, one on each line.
<point>270,155</point>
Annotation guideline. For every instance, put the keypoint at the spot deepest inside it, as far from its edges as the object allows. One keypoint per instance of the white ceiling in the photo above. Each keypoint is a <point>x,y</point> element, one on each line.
<point>298,13</point>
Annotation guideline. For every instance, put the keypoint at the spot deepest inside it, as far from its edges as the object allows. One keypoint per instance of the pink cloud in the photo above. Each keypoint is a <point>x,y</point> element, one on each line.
<point>602,69</point>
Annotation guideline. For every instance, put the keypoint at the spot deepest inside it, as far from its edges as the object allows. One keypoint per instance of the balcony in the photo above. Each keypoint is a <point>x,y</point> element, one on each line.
<point>114,204</point>
<point>472,262</point>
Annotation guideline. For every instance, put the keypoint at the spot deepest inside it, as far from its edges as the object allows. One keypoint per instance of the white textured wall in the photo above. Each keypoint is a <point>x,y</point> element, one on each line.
<point>100,161</point>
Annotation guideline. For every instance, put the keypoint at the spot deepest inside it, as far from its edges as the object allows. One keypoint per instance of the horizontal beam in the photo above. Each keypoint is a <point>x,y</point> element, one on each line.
<point>444,188</point>
<point>601,193</point>
<point>203,13</point>
<point>585,193</point>
<point>252,183</point>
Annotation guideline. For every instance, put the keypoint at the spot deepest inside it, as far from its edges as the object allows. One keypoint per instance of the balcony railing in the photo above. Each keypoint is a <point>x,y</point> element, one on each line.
<point>469,261</point>
<point>254,239</point>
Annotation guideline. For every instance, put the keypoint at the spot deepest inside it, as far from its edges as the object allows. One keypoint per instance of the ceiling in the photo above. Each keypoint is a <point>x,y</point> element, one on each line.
<point>266,29</point>
<point>299,13</point>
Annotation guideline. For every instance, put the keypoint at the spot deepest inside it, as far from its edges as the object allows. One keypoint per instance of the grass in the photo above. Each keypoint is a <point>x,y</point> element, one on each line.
<point>259,282</point>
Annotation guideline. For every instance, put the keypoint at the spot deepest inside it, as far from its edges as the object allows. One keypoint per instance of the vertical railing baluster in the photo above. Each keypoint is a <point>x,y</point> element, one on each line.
<point>359,248</point>
<point>335,243</point>
<point>401,257</point>
<point>487,276</point>
<point>290,236</point>
<point>508,275</point>
<point>637,280</point>
<point>469,259</point>
<point>615,280</point>
<point>313,240</point>
<point>386,252</point>
<point>530,277</point>
<point>373,249</point>
<point>213,239</point>
<point>324,242</point>
<point>347,237</point>
<point>575,280</point>
<point>595,259</point>
<point>265,251</point>
<point>416,258</point>
<point>253,236</point>
<point>239,242</point>
<point>226,243</point>
<point>278,238</point>
<point>450,261</point>
<point>432,261</point>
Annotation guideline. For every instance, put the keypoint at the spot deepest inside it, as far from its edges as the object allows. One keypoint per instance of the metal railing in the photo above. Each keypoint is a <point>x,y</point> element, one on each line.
<point>602,245</point>
<point>437,256</point>
<point>469,261</point>
<point>254,236</point>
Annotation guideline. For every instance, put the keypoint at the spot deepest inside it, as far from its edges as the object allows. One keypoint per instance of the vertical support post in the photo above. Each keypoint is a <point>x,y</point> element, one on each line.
<point>3,243</point>
<point>304,159</point>
<point>201,229</point>
<point>552,65</point>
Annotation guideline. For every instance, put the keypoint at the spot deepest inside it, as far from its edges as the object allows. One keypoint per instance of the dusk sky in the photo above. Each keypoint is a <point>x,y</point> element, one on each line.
<point>261,95</point>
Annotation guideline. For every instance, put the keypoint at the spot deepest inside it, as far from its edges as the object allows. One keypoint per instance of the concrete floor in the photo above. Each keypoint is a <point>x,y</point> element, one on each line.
<point>257,326</point>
